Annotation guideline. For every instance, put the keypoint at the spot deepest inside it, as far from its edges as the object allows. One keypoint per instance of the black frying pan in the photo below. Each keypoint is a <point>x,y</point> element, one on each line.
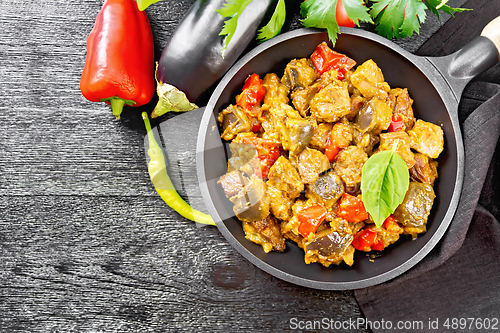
<point>435,84</point>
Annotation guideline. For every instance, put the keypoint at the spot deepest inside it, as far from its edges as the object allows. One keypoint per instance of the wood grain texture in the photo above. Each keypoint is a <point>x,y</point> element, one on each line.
<point>86,245</point>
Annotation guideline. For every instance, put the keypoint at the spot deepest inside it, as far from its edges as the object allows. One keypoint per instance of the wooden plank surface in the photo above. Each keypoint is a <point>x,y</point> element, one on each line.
<point>86,245</point>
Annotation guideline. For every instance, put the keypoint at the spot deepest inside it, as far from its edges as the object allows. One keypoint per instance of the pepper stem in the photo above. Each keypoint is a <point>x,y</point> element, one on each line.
<point>117,104</point>
<point>147,124</point>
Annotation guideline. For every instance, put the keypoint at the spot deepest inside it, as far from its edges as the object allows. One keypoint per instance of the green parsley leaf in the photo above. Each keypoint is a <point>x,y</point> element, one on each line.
<point>233,10</point>
<point>273,27</point>
<point>384,181</point>
<point>357,11</point>
<point>435,5</point>
<point>320,14</point>
<point>398,18</point>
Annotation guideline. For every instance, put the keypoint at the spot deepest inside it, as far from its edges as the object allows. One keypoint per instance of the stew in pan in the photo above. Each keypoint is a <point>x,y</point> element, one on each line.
<point>298,146</point>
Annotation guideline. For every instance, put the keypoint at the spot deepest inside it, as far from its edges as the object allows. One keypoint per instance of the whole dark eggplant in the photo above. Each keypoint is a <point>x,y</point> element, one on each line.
<point>192,60</point>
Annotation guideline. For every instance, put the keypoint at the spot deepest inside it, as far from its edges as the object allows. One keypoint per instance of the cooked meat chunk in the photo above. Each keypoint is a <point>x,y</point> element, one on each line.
<point>301,98</point>
<point>424,170</point>
<point>374,117</point>
<point>234,121</point>
<point>285,177</point>
<point>284,185</point>
<point>252,203</point>
<point>266,232</point>
<point>400,102</point>
<point>280,203</point>
<point>243,158</point>
<point>274,119</point>
<point>310,163</point>
<point>341,135</point>
<point>299,73</point>
<point>276,92</point>
<point>326,190</point>
<point>365,141</point>
<point>231,183</point>
<point>331,103</point>
<point>402,141</point>
<point>320,136</point>
<point>427,138</point>
<point>415,208</point>
<point>348,165</point>
<point>369,80</point>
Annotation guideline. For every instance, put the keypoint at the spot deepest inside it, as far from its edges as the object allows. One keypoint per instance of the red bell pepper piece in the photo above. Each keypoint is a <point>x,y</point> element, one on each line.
<point>325,59</point>
<point>364,239</point>
<point>267,152</point>
<point>391,225</point>
<point>331,151</point>
<point>119,66</point>
<point>339,138</point>
<point>351,209</point>
<point>378,245</point>
<point>397,123</point>
<point>256,125</point>
<point>252,95</point>
<point>310,218</point>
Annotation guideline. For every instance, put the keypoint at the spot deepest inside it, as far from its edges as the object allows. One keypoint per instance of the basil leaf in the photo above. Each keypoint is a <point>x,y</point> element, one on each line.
<point>384,181</point>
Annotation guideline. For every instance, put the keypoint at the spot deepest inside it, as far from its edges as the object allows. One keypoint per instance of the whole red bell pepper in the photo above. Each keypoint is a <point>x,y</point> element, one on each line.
<point>119,66</point>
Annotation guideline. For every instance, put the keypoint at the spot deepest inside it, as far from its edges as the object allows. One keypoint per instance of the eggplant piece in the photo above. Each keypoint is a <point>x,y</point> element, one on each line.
<point>330,243</point>
<point>234,121</point>
<point>192,60</point>
<point>252,203</point>
<point>424,170</point>
<point>415,208</point>
<point>329,247</point>
<point>299,73</point>
<point>374,117</point>
<point>327,189</point>
<point>300,133</point>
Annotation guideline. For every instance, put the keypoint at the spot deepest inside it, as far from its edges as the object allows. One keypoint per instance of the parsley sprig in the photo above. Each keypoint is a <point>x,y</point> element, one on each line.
<point>392,18</point>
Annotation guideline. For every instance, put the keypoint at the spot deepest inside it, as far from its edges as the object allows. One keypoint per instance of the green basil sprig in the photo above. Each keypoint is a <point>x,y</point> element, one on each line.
<point>384,182</point>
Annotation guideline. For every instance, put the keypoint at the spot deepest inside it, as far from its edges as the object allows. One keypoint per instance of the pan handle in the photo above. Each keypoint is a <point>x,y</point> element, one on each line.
<point>471,60</point>
<point>492,32</point>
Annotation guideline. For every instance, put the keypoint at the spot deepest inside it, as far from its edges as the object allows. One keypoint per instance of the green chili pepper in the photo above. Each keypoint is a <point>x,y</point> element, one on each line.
<point>162,183</point>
